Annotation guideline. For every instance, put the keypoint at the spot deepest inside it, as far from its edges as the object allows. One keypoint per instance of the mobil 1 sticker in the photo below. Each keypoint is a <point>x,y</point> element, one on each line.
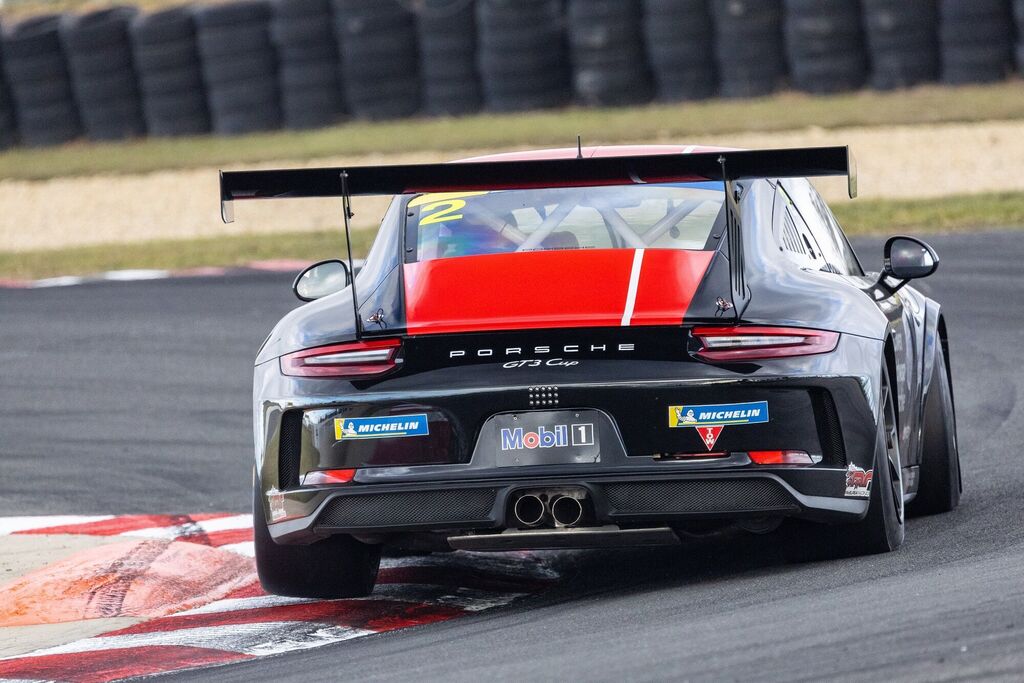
<point>562,437</point>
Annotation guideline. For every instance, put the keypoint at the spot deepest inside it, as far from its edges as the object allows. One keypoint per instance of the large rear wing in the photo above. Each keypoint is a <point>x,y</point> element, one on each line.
<point>726,166</point>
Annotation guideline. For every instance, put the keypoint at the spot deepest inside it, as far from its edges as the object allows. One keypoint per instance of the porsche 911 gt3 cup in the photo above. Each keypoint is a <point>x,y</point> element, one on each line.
<point>594,347</point>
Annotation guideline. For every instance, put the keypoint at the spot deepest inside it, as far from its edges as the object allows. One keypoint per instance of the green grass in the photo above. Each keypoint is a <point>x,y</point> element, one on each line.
<point>858,218</point>
<point>692,120</point>
<point>966,212</point>
<point>231,250</point>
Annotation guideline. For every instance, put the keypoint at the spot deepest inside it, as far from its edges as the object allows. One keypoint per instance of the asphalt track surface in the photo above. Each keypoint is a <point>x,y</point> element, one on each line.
<point>123,398</point>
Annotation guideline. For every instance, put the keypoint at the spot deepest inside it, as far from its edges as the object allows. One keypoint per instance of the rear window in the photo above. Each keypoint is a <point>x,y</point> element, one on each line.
<point>668,216</point>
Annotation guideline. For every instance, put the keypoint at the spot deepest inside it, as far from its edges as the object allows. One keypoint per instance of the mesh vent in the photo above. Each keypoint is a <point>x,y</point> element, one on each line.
<point>790,237</point>
<point>830,434</point>
<point>414,507</point>
<point>289,449</point>
<point>698,495</point>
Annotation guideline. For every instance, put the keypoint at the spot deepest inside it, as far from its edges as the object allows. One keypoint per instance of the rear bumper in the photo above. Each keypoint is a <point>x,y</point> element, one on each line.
<point>641,499</point>
<point>458,480</point>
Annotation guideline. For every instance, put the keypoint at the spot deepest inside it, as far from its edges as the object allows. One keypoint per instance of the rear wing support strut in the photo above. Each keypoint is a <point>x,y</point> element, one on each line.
<point>734,241</point>
<point>346,210</point>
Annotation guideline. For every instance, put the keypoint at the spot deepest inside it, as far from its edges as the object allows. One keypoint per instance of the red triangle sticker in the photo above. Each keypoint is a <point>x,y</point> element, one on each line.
<point>709,435</point>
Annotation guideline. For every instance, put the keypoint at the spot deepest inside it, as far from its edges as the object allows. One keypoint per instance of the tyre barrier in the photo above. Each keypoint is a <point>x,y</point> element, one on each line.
<point>309,71</point>
<point>446,34</point>
<point>239,67</point>
<point>37,72</point>
<point>606,52</point>
<point>678,37</point>
<point>975,41</point>
<point>521,54</point>
<point>170,78</point>
<point>99,60</point>
<point>379,65</point>
<point>254,65</point>
<point>748,46</point>
<point>902,40</point>
<point>824,45</point>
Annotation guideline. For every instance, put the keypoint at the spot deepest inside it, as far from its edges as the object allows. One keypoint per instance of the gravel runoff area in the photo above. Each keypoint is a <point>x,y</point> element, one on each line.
<point>898,162</point>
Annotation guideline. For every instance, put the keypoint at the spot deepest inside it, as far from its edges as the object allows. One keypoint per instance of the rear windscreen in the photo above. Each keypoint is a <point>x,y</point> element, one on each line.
<point>669,216</point>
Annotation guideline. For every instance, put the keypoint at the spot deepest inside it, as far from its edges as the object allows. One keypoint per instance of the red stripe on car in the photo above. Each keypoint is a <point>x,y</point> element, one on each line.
<point>549,289</point>
<point>669,280</point>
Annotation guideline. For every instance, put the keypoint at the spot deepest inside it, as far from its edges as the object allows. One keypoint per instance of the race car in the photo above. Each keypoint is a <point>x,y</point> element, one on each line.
<point>592,347</point>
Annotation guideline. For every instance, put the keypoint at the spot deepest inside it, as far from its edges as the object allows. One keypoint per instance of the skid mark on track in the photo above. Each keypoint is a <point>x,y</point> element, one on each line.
<point>192,582</point>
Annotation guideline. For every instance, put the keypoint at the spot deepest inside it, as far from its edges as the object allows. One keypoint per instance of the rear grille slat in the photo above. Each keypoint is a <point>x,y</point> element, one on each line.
<point>698,495</point>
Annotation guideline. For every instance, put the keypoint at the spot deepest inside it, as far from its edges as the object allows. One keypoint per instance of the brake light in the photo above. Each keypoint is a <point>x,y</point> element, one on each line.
<point>320,477</point>
<point>782,458</point>
<point>752,343</point>
<point>357,359</point>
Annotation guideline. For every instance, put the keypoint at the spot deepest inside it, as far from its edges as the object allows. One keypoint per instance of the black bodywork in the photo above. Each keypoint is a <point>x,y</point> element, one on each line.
<point>455,482</point>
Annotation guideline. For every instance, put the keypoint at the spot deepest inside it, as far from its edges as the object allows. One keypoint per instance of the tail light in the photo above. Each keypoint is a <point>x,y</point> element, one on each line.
<point>753,343</point>
<point>357,359</point>
<point>783,458</point>
<point>321,477</point>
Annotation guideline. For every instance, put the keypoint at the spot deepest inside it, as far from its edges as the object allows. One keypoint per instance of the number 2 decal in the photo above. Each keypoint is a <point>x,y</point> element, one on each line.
<point>439,212</point>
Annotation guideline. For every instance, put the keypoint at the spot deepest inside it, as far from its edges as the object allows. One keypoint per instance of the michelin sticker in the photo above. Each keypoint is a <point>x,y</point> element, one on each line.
<point>710,420</point>
<point>393,426</point>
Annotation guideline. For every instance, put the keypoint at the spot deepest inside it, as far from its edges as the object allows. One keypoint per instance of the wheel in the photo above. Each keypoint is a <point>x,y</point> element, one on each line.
<point>882,529</point>
<point>939,486</point>
<point>336,567</point>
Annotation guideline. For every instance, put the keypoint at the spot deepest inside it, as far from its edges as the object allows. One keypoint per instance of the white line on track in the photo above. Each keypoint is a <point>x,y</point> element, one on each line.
<point>258,639</point>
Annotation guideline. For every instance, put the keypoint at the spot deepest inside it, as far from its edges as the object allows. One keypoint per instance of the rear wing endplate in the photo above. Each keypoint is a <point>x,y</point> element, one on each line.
<point>546,173</point>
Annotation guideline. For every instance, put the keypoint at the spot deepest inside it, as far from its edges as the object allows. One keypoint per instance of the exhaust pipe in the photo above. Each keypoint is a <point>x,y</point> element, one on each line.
<point>529,510</point>
<point>566,511</point>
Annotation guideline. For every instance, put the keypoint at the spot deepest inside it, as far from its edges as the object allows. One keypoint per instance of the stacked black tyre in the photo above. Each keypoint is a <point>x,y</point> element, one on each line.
<point>902,42</point>
<point>975,40</point>
<point>170,78</point>
<point>606,50</point>
<point>824,45</point>
<point>679,39</point>
<point>377,40</point>
<point>239,67</point>
<point>446,34</point>
<point>40,86</point>
<point>748,46</point>
<point>102,74</point>
<point>8,128</point>
<point>308,69</point>
<point>1018,18</point>
<point>521,54</point>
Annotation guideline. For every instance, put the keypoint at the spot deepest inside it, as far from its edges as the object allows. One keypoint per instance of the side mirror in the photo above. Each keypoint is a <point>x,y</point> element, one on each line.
<point>908,258</point>
<point>321,279</point>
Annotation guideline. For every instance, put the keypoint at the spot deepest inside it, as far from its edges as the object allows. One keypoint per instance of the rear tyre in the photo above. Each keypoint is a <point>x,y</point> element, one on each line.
<point>336,567</point>
<point>882,529</point>
<point>940,485</point>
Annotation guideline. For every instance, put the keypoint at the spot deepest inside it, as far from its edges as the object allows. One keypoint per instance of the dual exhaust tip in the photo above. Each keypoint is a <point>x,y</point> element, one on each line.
<point>531,511</point>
